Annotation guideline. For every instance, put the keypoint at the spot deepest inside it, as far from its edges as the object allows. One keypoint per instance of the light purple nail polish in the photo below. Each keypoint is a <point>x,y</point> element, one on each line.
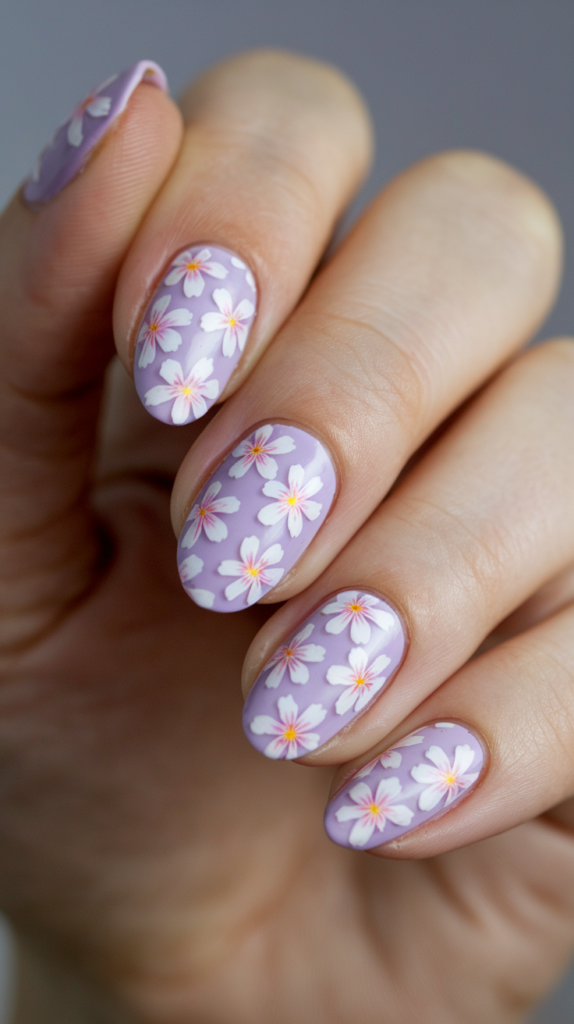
<point>328,670</point>
<point>66,154</point>
<point>193,333</point>
<point>413,781</point>
<point>255,517</point>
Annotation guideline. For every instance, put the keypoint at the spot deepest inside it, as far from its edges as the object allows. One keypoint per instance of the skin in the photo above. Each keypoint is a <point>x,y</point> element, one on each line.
<point>155,867</point>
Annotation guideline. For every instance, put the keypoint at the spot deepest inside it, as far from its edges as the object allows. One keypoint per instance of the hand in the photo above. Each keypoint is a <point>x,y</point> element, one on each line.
<point>145,845</point>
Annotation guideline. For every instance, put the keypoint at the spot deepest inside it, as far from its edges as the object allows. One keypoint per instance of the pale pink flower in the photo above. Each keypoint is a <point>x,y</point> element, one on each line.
<point>356,609</point>
<point>292,656</point>
<point>390,758</point>
<point>258,450</point>
<point>159,328</point>
<point>445,778</point>
<point>204,516</point>
<point>230,320</point>
<point>94,105</point>
<point>191,268</point>
<point>372,812</point>
<point>188,393</point>
<point>292,501</point>
<point>361,680</point>
<point>188,570</point>
<point>292,730</point>
<point>253,572</point>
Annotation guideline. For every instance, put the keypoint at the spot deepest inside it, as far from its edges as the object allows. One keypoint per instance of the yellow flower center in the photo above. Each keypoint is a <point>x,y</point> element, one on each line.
<point>292,500</point>
<point>202,512</point>
<point>153,326</point>
<point>290,733</point>
<point>187,391</point>
<point>253,570</point>
<point>232,321</point>
<point>359,681</point>
<point>289,652</point>
<point>374,809</point>
<point>355,607</point>
<point>450,779</point>
<point>192,266</point>
<point>257,449</point>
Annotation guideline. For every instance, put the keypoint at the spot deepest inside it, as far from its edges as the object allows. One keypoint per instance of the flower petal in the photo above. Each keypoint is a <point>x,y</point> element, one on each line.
<point>281,445</point>
<point>212,322</point>
<point>345,702</point>
<point>463,758</point>
<point>358,660</point>
<point>223,301</point>
<point>340,675</point>
<point>438,757</point>
<point>204,598</point>
<point>215,529</point>
<point>266,466</point>
<point>400,814</point>
<point>311,652</point>
<point>312,716</point>
<point>264,725</point>
<point>275,489</point>
<point>298,672</point>
<point>426,775</point>
<point>230,567</point>
<point>349,812</point>
<point>236,588</point>
<point>181,409</point>
<point>249,548</point>
<point>336,625</point>
<point>158,394</point>
<point>387,790</point>
<point>244,310</point>
<point>99,107</point>
<point>309,741</point>
<point>276,749</point>
<point>171,371</point>
<point>362,831</point>
<point>228,504</point>
<point>190,567</point>
<point>193,284</point>
<point>273,555</point>
<point>270,515</point>
<point>430,797</point>
<point>312,487</point>
<point>295,521</point>
<point>296,476</point>
<point>275,676</point>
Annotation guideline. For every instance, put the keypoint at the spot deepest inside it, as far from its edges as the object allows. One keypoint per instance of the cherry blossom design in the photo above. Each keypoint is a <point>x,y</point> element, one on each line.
<point>373,812</point>
<point>204,516</point>
<point>230,320</point>
<point>258,450</point>
<point>253,573</point>
<point>391,757</point>
<point>444,778</point>
<point>248,275</point>
<point>159,329</point>
<point>188,570</point>
<point>361,680</point>
<point>188,393</point>
<point>95,105</point>
<point>190,268</point>
<point>292,656</point>
<point>292,730</point>
<point>356,609</point>
<point>292,501</point>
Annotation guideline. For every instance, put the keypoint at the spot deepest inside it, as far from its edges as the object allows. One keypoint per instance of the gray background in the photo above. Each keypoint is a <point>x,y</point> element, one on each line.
<point>492,74</point>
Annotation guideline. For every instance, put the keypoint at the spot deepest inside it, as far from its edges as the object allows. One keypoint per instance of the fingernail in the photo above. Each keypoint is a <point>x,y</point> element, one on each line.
<point>193,333</point>
<point>255,517</point>
<point>327,671</point>
<point>412,782</point>
<point>66,154</point>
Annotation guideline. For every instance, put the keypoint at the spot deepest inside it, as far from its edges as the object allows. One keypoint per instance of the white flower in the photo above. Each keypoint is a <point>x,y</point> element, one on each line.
<point>292,501</point>
<point>445,777</point>
<point>191,268</point>
<point>252,572</point>
<point>248,275</point>
<point>188,569</point>
<point>258,450</point>
<point>203,516</point>
<point>187,393</point>
<point>229,319</point>
<point>159,328</point>
<point>373,811</point>
<point>390,758</point>
<point>293,656</point>
<point>95,105</point>
<point>361,681</point>
<point>357,609</point>
<point>292,731</point>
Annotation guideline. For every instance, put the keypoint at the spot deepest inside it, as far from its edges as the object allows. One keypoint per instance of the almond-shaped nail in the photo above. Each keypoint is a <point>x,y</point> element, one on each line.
<point>413,781</point>
<point>255,517</point>
<point>327,672</point>
<point>193,333</point>
<point>68,151</point>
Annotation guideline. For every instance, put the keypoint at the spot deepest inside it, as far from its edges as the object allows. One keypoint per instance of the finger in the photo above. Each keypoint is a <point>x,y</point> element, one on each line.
<point>275,145</point>
<point>59,263</point>
<point>480,524</point>
<point>516,703</point>
<point>450,269</point>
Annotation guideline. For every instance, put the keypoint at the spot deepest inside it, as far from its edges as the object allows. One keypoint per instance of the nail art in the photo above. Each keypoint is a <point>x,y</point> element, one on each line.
<point>255,517</point>
<point>66,154</point>
<point>412,782</point>
<point>193,333</point>
<point>327,671</point>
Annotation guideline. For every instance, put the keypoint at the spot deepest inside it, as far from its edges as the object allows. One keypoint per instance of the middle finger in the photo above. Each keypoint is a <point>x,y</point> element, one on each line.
<point>450,270</point>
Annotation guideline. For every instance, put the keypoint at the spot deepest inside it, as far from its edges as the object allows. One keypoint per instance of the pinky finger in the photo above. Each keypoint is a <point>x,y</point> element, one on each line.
<point>498,740</point>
